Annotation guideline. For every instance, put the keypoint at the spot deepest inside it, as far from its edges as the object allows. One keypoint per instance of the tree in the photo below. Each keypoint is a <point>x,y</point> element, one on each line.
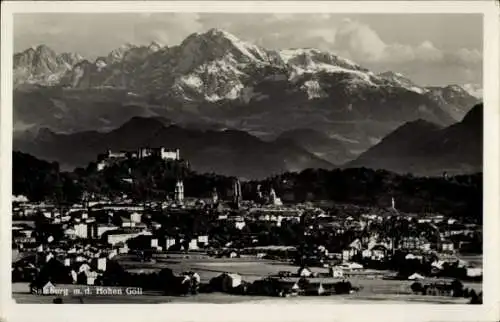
<point>417,287</point>
<point>457,288</point>
<point>474,298</point>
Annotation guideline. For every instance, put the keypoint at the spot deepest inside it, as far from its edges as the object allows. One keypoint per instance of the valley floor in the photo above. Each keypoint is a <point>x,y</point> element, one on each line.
<point>373,287</point>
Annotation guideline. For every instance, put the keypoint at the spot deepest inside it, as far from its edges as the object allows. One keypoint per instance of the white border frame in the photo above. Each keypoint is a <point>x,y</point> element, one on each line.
<point>489,311</point>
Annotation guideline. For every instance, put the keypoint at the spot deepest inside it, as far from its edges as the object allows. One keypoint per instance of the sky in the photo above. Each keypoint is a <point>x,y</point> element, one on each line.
<point>430,49</point>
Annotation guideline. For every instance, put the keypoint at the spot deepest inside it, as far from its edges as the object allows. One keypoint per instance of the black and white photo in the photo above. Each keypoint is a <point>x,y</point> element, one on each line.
<point>249,158</point>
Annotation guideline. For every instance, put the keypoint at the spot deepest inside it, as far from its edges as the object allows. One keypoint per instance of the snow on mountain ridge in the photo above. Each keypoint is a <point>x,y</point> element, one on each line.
<point>42,65</point>
<point>475,90</point>
<point>398,79</point>
<point>312,61</point>
<point>216,65</point>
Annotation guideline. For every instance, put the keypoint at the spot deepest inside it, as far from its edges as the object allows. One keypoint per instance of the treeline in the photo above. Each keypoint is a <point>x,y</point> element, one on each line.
<point>460,196</point>
<point>154,179</point>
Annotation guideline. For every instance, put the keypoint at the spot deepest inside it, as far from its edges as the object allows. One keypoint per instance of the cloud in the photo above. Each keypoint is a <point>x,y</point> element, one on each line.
<point>365,45</point>
<point>359,40</point>
<point>466,57</point>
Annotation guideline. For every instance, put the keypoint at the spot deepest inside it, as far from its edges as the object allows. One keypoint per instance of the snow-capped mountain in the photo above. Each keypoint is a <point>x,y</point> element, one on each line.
<point>217,66</point>
<point>475,90</point>
<point>398,79</point>
<point>454,99</point>
<point>41,65</point>
<point>214,77</point>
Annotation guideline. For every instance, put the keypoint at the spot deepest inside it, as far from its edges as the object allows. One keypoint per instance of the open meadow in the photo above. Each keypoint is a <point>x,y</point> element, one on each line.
<point>373,286</point>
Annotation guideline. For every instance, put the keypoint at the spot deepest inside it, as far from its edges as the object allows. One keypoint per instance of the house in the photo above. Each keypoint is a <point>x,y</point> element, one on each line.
<point>474,271</point>
<point>123,248</point>
<point>231,281</point>
<point>226,282</point>
<point>102,228</point>
<point>169,242</point>
<point>438,265</point>
<point>126,222</point>
<point>48,257</point>
<point>318,286</point>
<point>287,287</point>
<point>112,254</point>
<point>414,243</point>
<point>272,286</point>
<point>203,239</point>
<point>117,236</point>
<point>87,277</point>
<point>411,256</point>
<point>416,276</point>
<point>155,225</point>
<point>81,230</point>
<point>447,246</point>
<point>42,288</point>
<point>352,250</point>
<point>336,272</point>
<point>101,263</point>
<point>351,266</point>
<point>80,259</point>
<point>439,289</point>
<point>239,224</point>
<point>304,272</point>
<point>376,252</point>
<point>135,217</point>
<point>193,244</point>
<point>83,267</point>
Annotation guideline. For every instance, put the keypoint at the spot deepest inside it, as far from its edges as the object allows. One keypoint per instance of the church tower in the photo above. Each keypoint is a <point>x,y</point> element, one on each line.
<point>215,196</point>
<point>237,193</point>
<point>179,191</point>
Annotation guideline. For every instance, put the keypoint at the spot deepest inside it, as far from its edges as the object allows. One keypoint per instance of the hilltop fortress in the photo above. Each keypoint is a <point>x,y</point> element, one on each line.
<point>108,158</point>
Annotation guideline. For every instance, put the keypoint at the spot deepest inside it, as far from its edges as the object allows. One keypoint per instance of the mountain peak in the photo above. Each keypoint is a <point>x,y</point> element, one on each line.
<point>145,121</point>
<point>215,32</point>
<point>390,73</point>
<point>456,88</point>
<point>412,128</point>
<point>398,79</point>
<point>43,48</point>
<point>154,46</point>
<point>216,43</point>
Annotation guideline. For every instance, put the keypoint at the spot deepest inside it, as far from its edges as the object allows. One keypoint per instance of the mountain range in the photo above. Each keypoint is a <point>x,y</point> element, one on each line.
<point>419,147</point>
<point>329,107</point>
<point>227,152</point>
<point>425,148</point>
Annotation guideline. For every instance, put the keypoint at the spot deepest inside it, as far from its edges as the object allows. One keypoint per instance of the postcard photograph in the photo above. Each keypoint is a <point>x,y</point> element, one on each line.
<point>247,157</point>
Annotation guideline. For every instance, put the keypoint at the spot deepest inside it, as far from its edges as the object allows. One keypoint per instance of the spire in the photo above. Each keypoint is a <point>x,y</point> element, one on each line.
<point>237,192</point>
<point>179,191</point>
<point>215,196</point>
